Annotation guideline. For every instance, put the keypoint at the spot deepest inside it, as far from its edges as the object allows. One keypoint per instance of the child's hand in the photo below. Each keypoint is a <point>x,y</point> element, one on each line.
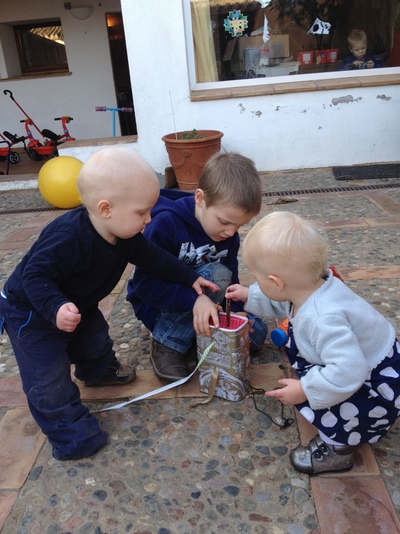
<point>204,309</point>
<point>290,393</point>
<point>237,292</point>
<point>68,317</point>
<point>370,64</point>
<point>202,282</point>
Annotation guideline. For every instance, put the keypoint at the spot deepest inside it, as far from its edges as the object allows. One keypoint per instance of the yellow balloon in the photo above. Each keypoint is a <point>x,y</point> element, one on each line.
<point>57,182</point>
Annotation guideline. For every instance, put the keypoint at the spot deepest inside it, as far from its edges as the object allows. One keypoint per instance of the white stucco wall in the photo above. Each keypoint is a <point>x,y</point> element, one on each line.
<point>289,131</point>
<point>90,83</point>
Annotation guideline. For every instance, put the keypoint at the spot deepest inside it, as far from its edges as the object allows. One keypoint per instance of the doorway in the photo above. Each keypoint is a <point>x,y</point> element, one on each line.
<point>120,68</point>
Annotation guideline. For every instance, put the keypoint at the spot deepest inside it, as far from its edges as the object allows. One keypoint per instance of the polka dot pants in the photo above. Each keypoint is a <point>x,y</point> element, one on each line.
<point>368,414</point>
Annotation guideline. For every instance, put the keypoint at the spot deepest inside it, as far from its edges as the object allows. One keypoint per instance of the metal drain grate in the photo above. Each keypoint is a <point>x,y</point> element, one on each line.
<point>330,190</point>
<point>265,194</point>
<point>29,210</point>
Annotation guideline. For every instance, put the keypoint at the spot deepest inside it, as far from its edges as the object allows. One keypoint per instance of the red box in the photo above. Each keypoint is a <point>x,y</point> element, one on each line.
<point>321,57</point>
<point>306,58</point>
<point>332,55</point>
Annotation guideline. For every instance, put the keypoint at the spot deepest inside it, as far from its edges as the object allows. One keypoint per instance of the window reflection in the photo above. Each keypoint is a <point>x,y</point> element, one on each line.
<point>41,47</point>
<point>229,44</point>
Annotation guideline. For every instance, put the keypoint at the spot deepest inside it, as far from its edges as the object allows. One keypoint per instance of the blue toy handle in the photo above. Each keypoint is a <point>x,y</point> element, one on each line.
<point>113,110</point>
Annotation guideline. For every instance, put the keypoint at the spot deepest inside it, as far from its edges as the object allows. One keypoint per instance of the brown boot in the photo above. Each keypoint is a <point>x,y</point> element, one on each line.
<point>168,363</point>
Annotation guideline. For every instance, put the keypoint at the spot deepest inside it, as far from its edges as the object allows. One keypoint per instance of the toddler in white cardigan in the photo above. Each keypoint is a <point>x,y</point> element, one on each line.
<point>344,352</point>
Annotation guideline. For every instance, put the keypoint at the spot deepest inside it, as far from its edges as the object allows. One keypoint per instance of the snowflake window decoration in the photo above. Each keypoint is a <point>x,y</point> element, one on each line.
<point>236,23</point>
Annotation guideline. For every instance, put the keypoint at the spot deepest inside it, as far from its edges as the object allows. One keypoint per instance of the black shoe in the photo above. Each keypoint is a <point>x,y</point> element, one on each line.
<point>98,441</point>
<point>168,363</point>
<point>114,376</point>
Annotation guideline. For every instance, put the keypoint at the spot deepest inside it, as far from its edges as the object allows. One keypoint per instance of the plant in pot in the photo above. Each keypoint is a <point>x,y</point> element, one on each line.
<point>188,152</point>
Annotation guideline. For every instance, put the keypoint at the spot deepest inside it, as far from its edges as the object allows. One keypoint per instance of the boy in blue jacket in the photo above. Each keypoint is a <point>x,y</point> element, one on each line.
<point>49,305</point>
<point>201,230</point>
<point>359,59</point>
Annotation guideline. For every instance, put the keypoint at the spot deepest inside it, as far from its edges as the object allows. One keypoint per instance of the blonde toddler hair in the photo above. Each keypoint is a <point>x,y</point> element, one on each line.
<point>357,36</point>
<point>286,243</point>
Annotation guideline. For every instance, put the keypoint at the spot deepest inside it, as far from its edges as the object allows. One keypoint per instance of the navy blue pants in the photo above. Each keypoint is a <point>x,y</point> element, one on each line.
<point>44,355</point>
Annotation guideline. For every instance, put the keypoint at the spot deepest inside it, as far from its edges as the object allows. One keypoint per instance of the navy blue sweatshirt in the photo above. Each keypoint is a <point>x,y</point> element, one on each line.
<point>348,63</point>
<point>71,262</point>
<point>175,228</point>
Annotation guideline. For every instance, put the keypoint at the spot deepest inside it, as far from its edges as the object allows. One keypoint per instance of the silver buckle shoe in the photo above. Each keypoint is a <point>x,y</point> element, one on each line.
<point>319,457</point>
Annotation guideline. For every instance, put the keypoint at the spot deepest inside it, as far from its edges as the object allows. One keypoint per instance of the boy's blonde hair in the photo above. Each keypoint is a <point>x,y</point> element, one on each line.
<point>285,242</point>
<point>111,173</point>
<point>357,36</point>
<point>231,179</point>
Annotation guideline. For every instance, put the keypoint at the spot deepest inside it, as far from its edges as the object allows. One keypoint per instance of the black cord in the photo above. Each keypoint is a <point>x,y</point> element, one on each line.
<point>286,421</point>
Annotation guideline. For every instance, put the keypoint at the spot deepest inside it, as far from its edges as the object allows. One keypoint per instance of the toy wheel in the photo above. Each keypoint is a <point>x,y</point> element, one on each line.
<point>14,157</point>
<point>34,155</point>
<point>3,158</point>
<point>54,154</point>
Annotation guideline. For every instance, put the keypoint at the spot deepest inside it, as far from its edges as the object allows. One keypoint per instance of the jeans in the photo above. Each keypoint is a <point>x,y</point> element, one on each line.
<point>175,329</point>
<point>44,355</point>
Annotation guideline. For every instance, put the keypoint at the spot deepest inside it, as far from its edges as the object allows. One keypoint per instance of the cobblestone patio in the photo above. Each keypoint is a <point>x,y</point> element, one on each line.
<point>221,467</point>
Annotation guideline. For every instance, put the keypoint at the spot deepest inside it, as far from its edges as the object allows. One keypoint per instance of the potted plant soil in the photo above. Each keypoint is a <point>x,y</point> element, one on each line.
<point>188,151</point>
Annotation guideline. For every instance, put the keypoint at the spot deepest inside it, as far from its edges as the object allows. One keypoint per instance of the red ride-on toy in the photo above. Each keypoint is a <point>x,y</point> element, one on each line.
<point>6,152</point>
<point>35,149</point>
<point>58,139</point>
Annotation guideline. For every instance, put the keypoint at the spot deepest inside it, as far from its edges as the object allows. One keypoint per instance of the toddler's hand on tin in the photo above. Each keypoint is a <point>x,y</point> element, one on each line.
<point>204,310</point>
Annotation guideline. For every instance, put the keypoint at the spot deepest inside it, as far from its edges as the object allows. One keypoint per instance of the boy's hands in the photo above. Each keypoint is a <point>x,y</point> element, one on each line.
<point>203,283</point>
<point>68,317</point>
<point>290,393</point>
<point>204,309</point>
<point>237,292</point>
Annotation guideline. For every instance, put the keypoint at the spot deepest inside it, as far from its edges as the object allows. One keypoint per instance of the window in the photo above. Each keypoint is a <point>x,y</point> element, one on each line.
<point>304,37</point>
<point>41,47</point>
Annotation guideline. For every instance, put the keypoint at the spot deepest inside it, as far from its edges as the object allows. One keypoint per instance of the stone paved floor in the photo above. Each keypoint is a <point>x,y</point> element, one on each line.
<point>220,467</point>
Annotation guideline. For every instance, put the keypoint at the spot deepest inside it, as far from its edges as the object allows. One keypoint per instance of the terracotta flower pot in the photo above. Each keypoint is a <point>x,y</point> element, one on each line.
<point>188,156</point>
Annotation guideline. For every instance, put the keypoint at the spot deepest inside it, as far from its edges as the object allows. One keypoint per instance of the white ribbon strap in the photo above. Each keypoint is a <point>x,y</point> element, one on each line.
<point>163,388</point>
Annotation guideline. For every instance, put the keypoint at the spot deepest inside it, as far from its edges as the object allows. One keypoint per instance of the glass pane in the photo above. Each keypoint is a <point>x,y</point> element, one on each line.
<point>42,48</point>
<point>258,39</point>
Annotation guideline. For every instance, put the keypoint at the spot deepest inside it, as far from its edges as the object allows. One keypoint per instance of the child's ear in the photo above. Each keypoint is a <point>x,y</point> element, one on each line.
<point>199,197</point>
<point>104,208</point>
<point>279,283</point>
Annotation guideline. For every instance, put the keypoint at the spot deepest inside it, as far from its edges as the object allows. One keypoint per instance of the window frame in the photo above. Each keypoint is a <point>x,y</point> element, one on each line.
<point>19,29</point>
<point>293,83</point>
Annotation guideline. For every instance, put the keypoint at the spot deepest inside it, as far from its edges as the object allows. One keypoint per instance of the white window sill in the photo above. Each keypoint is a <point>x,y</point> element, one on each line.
<point>276,88</point>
